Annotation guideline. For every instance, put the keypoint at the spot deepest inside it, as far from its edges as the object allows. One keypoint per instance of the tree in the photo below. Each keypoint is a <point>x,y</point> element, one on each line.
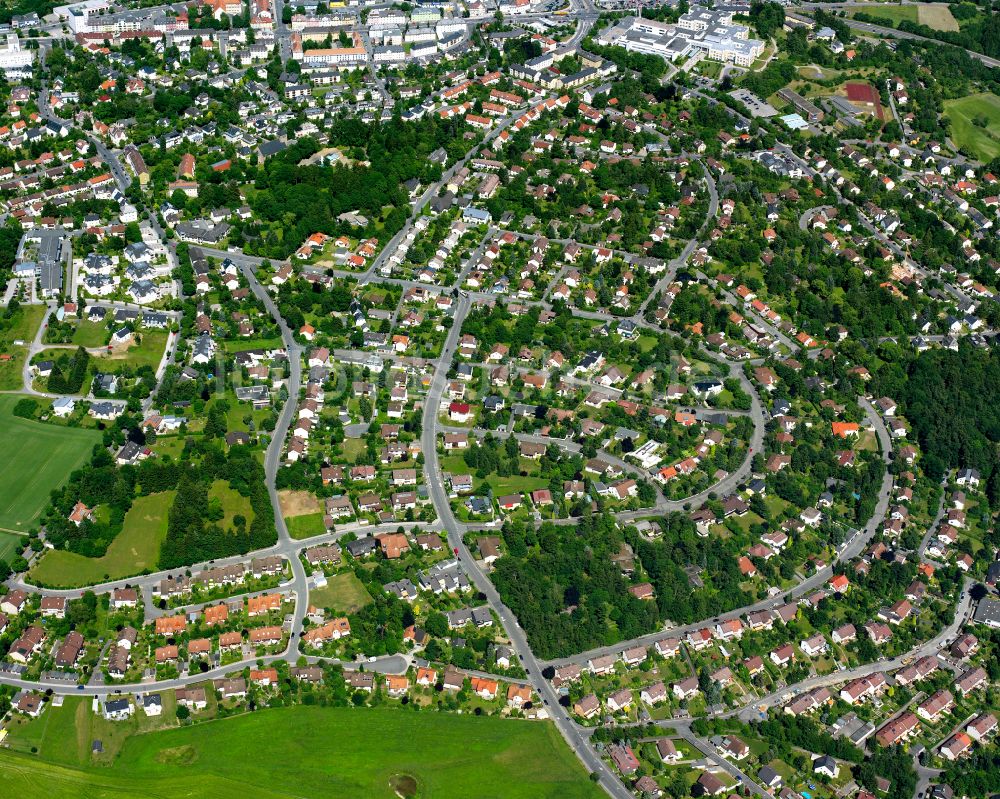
<point>437,625</point>
<point>767,18</point>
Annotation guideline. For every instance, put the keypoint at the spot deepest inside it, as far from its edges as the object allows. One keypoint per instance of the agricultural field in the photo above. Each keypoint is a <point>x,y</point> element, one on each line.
<point>39,457</point>
<point>975,124</point>
<point>300,752</point>
<point>937,16</point>
<point>894,13</point>
<point>11,545</point>
<point>136,548</point>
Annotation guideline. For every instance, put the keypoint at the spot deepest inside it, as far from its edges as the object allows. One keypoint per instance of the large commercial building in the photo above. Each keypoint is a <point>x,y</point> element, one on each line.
<point>808,110</point>
<point>12,57</point>
<point>709,32</point>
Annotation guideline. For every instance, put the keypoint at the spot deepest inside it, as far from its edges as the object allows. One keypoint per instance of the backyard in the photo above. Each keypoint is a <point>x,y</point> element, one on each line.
<point>148,352</point>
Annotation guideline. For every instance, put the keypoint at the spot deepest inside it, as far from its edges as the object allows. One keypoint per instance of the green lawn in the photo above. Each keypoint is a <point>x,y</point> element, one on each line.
<point>455,464</point>
<point>775,505</point>
<point>515,484</point>
<point>149,352</point>
<point>239,411</point>
<point>24,324</point>
<point>90,334</point>
<point>983,143</point>
<point>343,592</point>
<point>245,344</point>
<point>11,371</point>
<point>352,448</point>
<point>307,752</point>
<point>37,459</point>
<point>136,548</point>
<point>305,526</point>
<point>646,343</point>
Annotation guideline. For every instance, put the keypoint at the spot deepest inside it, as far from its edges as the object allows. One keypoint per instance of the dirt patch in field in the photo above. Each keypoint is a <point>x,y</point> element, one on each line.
<point>937,16</point>
<point>177,756</point>
<point>298,503</point>
<point>404,785</point>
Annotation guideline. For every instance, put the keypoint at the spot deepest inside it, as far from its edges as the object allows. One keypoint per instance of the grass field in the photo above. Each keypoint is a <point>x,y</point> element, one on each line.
<point>352,448</point>
<point>306,526</point>
<point>303,752</point>
<point>137,547</point>
<point>894,13</point>
<point>983,143</point>
<point>515,484</point>
<point>37,459</point>
<point>253,344</point>
<point>147,353</point>
<point>90,334</point>
<point>22,326</point>
<point>303,513</point>
<point>232,501</point>
<point>239,411</point>
<point>11,545</point>
<point>343,592</point>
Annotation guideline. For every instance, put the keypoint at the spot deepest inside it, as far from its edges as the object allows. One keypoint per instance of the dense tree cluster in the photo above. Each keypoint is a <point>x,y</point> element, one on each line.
<point>569,593</point>
<point>565,589</point>
<point>767,18</point>
<point>10,236</point>
<point>192,535</point>
<point>102,484</point>
<point>774,76</point>
<point>895,765</point>
<point>949,399</point>
<point>69,372</point>
<point>979,775</point>
<point>294,199</point>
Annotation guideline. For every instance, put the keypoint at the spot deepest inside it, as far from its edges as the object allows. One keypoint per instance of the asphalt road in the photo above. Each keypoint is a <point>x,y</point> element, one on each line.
<point>585,13</point>
<point>850,549</point>
<point>543,688</point>
<point>963,612</point>
<point>272,458</point>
